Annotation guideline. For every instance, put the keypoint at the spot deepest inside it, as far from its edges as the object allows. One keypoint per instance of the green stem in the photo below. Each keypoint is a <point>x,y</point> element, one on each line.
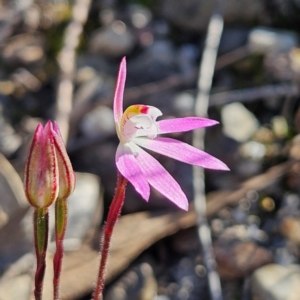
<point>61,214</point>
<point>41,229</point>
<point>113,214</point>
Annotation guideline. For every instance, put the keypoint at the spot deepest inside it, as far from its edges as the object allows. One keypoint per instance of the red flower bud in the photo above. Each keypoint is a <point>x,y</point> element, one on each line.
<point>41,171</point>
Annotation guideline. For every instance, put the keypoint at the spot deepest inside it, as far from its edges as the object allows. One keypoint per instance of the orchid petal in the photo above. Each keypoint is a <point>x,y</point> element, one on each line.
<point>160,179</point>
<point>130,169</point>
<point>141,109</point>
<point>183,124</point>
<point>139,120</point>
<point>139,125</point>
<point>119,91</point>
<point>154,112</point>
<point>182,152</point>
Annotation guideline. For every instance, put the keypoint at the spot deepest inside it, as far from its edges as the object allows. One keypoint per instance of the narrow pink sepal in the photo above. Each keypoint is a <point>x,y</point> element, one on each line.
<point>183,124</point>
<point>119,91</point>
<point>129,168</point>
<point>67,177</point>
<point>182,152</point>
<point>41,171</point>
<point>159,178</point>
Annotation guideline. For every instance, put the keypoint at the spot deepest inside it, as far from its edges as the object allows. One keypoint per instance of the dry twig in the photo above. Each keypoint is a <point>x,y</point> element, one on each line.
<point>206,72</point>
<point>66,62</point>
<point>255,93</point>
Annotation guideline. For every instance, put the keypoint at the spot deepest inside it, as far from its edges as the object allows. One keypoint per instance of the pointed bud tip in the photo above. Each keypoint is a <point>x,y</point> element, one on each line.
<point>40,178</point>
<point>55,127</point>
<point>37,133</point>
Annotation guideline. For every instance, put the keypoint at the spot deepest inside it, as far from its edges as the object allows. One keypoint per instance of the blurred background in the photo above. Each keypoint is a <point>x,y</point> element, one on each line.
<point>59,60</point>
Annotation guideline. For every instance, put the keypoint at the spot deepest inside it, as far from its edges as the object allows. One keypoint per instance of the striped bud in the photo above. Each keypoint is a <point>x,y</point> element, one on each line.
<point>41,171</point>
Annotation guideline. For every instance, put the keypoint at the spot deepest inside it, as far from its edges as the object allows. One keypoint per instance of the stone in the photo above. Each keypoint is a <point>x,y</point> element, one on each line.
<point>140,16</point>
<point>19,275</point>
<point>137,283</point>
<point>248,167</point>
<point>285,255</point>
<point>294,149</point>
<point>253,150</point>
<point>184,103</point>
<point>276,282</point>
<point>16,288</point>
<point>293,177</point>
<point>280,127</point>
<point>26,81</point>
<point>32,17</point>
<point>98,123</point>
<point>155,63</point>
<point>9,140</point>
<point>54,13</point>
<point>289,205</point>
<point>23,49</point>
<point>11,190</point>
<point>84,203</point>
<point>194,14</point>
<point>290,228</point>
<point>188,278</point>
<point>187,55</point>
<point>94,87</point>
<point>16,238</point>
<point>263,39</point>
<point>114,40</point>
<point>237,259</point>
<point>238,122</point>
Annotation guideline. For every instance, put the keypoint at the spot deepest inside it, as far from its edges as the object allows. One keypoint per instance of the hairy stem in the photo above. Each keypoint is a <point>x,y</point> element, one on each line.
<point>41,229</point>
<point>113,214</point>
<point>61,214</point>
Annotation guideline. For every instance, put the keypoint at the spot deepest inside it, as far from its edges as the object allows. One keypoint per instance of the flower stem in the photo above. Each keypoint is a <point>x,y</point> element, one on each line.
<point>113,214</point>
<point>41,228</point>
<point>61,213</point>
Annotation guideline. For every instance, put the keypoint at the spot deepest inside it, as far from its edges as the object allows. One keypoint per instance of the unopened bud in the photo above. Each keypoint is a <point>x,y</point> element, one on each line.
<point>41,171</point>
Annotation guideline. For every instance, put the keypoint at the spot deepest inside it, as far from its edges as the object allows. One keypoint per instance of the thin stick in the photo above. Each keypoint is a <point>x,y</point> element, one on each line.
<point>206,72</point>
<point>113,215</point>
<point>255,93</point>
<point>41,229</point>
<point>66,62</point>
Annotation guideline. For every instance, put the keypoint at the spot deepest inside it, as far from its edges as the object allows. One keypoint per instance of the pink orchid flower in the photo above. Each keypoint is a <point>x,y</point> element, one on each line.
<point>137,127</point>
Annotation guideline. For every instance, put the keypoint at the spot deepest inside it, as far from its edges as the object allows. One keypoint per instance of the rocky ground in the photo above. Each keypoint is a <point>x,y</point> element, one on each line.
<point>253,210</point>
